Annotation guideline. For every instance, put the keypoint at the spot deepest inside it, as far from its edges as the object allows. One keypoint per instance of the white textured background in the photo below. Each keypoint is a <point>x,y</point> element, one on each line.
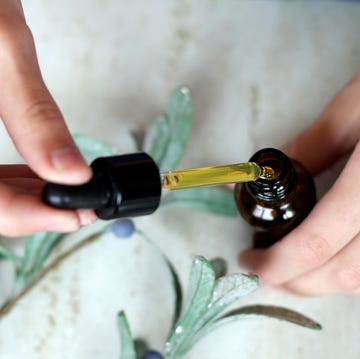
<point>259,71</point>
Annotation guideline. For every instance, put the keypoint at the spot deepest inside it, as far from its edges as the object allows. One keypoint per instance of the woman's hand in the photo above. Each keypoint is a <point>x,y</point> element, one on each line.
<point>39,133</point>
<point>321,255</point>
<point>22,211</point>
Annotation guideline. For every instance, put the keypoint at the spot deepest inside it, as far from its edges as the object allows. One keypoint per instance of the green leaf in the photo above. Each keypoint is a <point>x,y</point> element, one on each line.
<point>92,148</point>
<point>8,254</point>
<point>167,137</point>
<point>127,342</point>
<point>252,311</point>
<point>216,200</point>
<point>38,247</point>
<point>228,289</point>
<point>50,241</point>
<point>280,313</point>
<point>33,244</point>
<point>201,284</point>
<point>157,139</point>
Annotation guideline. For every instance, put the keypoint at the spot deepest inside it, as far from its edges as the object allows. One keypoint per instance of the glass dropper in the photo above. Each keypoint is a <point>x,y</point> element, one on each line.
<point>130,185</point>
<point>218,175</point>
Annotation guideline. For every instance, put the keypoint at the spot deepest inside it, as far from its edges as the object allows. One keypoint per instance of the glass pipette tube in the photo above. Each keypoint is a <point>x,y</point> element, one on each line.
<point>218,175</point>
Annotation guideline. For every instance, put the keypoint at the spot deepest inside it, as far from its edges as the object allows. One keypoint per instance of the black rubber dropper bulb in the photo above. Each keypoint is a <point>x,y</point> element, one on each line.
<point>121,186</point>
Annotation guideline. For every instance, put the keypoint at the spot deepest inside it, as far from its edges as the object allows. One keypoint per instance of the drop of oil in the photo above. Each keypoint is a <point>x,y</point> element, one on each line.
<point>267,173</point>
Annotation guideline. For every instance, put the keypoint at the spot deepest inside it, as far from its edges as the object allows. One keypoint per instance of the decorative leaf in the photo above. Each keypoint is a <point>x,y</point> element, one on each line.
<point>32,248</point>
<point>167,137</point>
<point>127,343</point>
<point>50,241</point>
<point>178,292</point>
<point>38,247</point>
<point>227,290</point>
<point>252,311</point>
<point>8,254</point>
<point>92,148</point>
<point>157,139</point>
<point>215,200</point>
<point>201,285</point>
<point>33,244</point>
<point>280,313</point>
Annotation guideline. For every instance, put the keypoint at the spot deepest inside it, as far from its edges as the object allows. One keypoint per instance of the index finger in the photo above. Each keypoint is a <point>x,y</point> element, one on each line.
<point>29,112</point>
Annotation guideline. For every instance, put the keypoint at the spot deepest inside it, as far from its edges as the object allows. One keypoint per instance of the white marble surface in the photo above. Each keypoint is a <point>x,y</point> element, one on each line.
<point>259,71</point>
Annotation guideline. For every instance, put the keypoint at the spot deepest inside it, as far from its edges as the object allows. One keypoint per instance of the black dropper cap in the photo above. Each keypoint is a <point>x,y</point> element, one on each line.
<point>121,186</point>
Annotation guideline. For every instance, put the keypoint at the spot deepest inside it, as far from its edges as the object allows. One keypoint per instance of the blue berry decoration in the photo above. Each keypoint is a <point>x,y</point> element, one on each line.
<point>123,228</point>
<point>152,354</point>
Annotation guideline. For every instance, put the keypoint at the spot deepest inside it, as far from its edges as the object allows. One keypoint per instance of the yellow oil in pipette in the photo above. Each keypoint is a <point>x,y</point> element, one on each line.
<point>209,176</point>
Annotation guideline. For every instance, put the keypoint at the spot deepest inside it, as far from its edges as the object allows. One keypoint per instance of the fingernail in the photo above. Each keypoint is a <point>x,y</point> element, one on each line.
<point>69,160</point>
<point>86,217</point>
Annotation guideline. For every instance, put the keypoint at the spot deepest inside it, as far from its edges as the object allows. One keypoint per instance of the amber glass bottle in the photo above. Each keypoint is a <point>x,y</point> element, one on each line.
<point>275,205</point>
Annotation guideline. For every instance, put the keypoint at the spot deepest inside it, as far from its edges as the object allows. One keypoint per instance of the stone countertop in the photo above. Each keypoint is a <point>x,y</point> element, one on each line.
<point>259,72</point>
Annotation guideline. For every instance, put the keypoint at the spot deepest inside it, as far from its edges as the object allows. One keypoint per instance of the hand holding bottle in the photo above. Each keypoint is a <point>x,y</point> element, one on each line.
<point>321,256</point>
<point>39,133</point>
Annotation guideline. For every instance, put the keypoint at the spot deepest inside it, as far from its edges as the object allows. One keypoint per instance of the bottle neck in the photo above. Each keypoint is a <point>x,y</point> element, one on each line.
<point>283,181</point>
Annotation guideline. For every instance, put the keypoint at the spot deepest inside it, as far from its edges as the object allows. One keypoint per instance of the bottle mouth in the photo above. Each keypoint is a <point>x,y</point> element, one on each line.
<point>278,180</point>
<point>277,165</point>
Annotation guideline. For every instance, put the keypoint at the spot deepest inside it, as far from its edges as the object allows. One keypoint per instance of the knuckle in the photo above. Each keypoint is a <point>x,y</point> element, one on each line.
<point>41,109</point>
<point>39,113</point>
<point>314,250</point>
<point>348,279</point>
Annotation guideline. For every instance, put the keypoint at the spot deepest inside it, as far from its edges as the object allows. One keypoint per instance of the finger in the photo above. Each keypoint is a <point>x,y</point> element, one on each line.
<point>333,134</point>
<point>32,186</point>
<point>30,114</point>
<point>86,216</point>
<point>22,214</point>
<point>339,275</point>
<point>11,171</point>
<point>334,221</point>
